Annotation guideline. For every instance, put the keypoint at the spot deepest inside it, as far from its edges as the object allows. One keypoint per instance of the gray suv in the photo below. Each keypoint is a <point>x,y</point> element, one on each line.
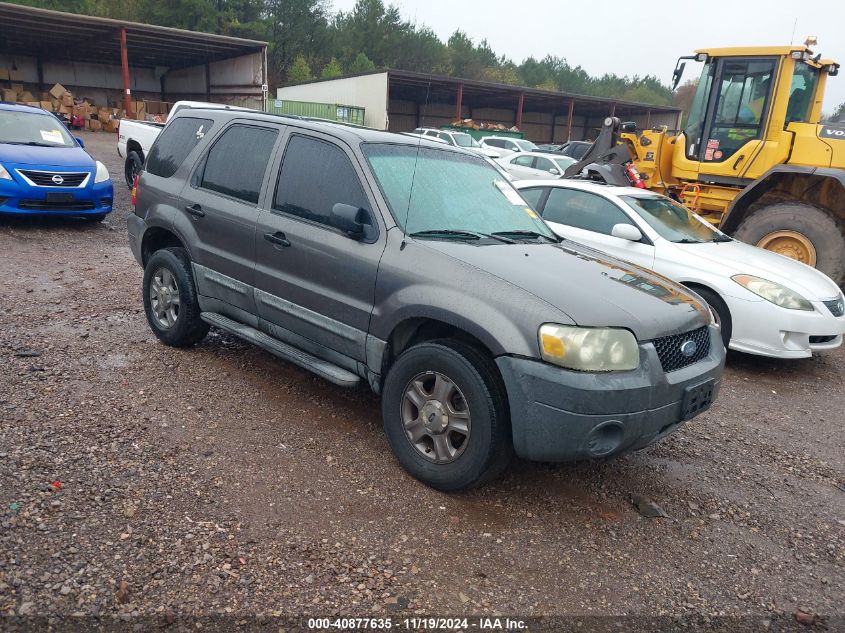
<point>365,256</point>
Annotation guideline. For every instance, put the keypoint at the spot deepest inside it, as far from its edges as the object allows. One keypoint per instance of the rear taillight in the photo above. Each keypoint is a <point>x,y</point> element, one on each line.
<point>634,176</point>
<point>135,190</point>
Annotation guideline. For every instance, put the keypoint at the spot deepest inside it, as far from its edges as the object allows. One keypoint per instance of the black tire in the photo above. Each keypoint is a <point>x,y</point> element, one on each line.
<point>96,217</point>
<point>720,310</point>
<point>188,328</point>
<point>488,449</point>
<point>132,167</point>
<point>825,232</point>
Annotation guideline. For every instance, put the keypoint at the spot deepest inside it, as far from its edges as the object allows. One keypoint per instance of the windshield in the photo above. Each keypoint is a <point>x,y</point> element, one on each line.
<point>672,221</point>
<point>462,139</point>
<point>801,93</point>
<point>430,189</point>
<point>526,146</point>
<point>33,128</point>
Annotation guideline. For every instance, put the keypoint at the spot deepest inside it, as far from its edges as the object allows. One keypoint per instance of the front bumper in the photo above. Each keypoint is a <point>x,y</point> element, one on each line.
<point>761,327</point>
<point>559,415</point>
<point>21,199</point>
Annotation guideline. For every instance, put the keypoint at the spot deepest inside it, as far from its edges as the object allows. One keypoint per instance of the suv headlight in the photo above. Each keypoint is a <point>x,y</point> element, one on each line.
<point>4,175</point>
<point>773,292</point>
<point>589,349</point>
<point>102,173</point>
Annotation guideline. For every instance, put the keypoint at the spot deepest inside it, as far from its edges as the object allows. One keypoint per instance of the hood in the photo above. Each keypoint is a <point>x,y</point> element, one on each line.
<point>486,151</point>
<point>73,157</point>
<point>591,288</point>
<point>740,258</point>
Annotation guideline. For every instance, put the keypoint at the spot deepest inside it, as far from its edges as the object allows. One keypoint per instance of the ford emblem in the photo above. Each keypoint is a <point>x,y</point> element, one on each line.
<point>57,179</point>
<point>688,348</point>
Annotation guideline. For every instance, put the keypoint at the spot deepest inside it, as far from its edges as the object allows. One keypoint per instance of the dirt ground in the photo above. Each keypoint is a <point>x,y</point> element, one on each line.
<point>220,480</point>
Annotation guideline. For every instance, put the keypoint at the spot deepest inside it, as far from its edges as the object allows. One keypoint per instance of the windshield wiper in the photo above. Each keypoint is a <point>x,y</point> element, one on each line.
<point>32,143</point>
<point>687,240</point>
<point>722,238</point>
<point>448,234</point>
<point>525,235</point>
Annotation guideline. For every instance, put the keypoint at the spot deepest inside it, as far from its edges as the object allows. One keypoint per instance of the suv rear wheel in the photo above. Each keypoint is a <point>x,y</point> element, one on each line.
<point>446,415</point>
<point>170,299</point>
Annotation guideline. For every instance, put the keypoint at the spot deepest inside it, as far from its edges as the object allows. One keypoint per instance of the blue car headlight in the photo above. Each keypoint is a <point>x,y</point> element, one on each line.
<point>102,173</point>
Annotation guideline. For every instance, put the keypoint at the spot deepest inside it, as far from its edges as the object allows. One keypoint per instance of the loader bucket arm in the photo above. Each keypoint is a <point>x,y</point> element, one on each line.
<point>606,159</point>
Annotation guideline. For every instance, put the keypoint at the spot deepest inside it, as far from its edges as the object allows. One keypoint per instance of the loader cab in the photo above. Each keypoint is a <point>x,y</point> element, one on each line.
<point>744,100</point>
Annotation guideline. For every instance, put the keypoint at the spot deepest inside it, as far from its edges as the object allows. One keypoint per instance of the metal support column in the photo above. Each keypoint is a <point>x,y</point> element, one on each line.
<point>124,63</point>
<point>519,107</point>
<point>459,101</point>
<point>569,120</point>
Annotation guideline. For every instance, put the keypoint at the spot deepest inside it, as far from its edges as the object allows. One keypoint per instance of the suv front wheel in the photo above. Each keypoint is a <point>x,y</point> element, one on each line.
<point>170,299</point>
<point>446,415</point>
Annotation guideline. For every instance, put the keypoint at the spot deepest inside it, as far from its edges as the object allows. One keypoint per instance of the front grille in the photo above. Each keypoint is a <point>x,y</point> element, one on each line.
<point>55,205</point>
<point>836,306</point>
<point>45,178</point>
<point>669,348</point>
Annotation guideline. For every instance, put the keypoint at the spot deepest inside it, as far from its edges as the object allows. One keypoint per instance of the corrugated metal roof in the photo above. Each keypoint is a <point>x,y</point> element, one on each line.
<point>54,35</point>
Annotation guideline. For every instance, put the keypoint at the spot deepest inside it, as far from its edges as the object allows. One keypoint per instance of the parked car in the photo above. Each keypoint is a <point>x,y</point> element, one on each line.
<point>135,138</point>
<point>419,270</point>
<point>765,303</point>
<point>507,144</point>
<point>46,171</point>
<point>458,139</point>
<point>573,149</point>
<point>535,165</point>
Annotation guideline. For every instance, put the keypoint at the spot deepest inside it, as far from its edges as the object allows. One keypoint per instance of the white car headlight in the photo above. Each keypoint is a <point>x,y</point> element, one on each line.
<point>102,173</point>
<point>773,292</point>
<point>589,349</point>
<point>4,175</point>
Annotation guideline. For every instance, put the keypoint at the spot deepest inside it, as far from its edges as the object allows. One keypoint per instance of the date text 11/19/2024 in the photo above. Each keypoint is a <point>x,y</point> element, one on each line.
<point>417,623</point>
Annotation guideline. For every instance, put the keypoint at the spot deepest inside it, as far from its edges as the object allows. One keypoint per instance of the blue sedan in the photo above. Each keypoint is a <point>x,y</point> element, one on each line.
<point>45,171</point>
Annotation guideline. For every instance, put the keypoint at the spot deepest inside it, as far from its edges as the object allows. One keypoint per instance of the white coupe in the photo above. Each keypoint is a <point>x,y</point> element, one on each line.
<point>765,303</point>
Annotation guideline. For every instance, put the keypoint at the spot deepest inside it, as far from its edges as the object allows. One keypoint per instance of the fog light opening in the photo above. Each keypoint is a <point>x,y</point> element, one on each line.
<point>605,438</point>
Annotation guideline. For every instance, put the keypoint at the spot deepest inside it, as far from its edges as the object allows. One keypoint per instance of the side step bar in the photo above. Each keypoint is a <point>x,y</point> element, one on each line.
<point>330,372</point>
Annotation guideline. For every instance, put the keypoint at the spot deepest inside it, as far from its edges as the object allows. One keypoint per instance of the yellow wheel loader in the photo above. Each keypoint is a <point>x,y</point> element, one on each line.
<point>753,158</point>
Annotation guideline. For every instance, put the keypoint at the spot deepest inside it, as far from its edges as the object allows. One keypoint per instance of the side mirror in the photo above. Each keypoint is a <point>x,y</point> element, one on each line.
<point>554,172</point>
<point>626,232</point>
<point>80,141</point>
<point>352,220</point>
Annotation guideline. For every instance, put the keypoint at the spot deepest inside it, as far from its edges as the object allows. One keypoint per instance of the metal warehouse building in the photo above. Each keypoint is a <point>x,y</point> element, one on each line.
<point>399,101</point>
<point>113,61</point>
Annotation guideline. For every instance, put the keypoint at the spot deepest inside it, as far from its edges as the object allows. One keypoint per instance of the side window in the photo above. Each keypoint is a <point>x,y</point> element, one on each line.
<point>544,164</point>
<point>174,144</point>
<point>494,142</point>
<point>532,196</point>
<point>315,176</point>
<point>523,161</point>
<point>743,98</point>
<point>511,146</point>
<point>237,161</point>
<point>446,137</point>
<point>583,210</point>
<point>430,133</point>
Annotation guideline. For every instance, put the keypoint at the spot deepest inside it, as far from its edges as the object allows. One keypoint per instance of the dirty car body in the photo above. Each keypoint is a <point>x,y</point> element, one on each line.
<point>419,257</point>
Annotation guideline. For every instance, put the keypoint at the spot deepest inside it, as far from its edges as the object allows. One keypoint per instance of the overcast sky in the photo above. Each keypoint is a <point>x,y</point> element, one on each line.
<point>634,37</point>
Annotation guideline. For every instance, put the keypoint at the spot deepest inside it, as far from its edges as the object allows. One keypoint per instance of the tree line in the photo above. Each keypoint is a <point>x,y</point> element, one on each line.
<point>308,40</point>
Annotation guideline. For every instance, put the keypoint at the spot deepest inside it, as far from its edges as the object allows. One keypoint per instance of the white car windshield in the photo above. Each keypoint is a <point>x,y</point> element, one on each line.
<point>526,146</point>
<point>462,139</point>
<point>33,128</point>
<point>673,221</point>
<point>445,192</point>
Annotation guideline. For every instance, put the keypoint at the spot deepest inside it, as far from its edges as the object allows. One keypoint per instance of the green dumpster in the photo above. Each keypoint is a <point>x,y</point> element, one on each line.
<point>330,111</point>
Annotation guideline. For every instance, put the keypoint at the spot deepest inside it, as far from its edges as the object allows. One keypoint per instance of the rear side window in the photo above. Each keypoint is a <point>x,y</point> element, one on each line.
<point>532,196</point>
<point>175,143</point>
<point>237,161</point>
<point>315,176</point>
<point>523,161</point>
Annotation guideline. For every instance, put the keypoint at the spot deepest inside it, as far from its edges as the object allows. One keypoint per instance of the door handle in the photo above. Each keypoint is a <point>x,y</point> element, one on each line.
<point>738,161</point>
<point>195,210</point>
<point>278,238</point>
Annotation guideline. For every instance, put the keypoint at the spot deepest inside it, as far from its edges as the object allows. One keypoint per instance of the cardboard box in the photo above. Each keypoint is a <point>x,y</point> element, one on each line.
<point>58,90</point>
<point>34,104</point>
<point>63,109</point>
<point>4,74</point>
<point>15,75</point>
<point>9,95</point>
<point>94,125</point>
<point>16,87</point>
<point>67,99</point>
<point>111,126</point>
<point>26,96</point>
<point>47,105</point>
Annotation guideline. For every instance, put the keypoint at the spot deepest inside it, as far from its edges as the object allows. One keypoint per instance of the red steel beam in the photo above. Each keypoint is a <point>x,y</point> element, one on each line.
<point>459,101</point>
<point>124,63</point>
<point>569,120</point>
<point>519,106</point>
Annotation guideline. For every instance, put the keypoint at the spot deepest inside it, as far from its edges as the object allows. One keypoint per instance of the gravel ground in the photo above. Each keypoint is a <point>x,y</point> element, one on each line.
<point>141,480</point>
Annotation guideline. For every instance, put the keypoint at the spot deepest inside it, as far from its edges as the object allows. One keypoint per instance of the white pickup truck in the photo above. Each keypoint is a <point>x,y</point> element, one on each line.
<point>135,138</point>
